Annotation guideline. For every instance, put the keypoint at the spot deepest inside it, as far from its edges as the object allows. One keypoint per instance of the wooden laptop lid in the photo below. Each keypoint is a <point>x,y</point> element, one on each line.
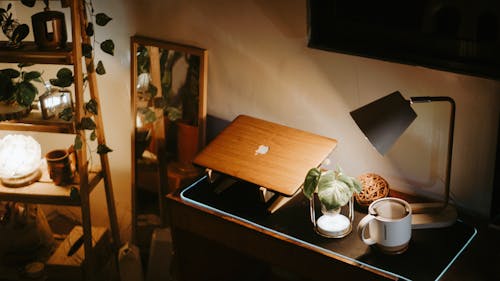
<point>264,153</point>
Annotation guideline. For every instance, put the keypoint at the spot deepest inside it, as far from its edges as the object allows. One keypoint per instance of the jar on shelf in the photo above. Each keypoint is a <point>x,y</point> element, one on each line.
<point>54,101</point>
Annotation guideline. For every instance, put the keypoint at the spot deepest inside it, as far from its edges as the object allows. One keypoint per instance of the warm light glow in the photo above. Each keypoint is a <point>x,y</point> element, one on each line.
<point>143,81</point>
<point>19,156</point>
<point>138,121</point>
<point>54,102</point>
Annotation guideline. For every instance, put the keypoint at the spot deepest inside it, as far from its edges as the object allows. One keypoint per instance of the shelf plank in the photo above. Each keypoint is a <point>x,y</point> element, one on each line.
<point>35,122</point>
<point>29,53</point>
<point>45,191</point>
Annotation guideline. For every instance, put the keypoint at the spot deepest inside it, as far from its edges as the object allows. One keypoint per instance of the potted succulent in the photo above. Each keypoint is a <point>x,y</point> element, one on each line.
<point>335,189</point>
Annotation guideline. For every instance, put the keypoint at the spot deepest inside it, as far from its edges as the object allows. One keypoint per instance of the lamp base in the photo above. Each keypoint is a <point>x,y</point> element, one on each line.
<point>432,215</point>
<point>333,226</point>
<point>22,181</point>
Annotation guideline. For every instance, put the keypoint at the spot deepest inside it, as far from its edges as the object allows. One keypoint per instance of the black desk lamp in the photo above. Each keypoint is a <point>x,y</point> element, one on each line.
<point>383,121</point>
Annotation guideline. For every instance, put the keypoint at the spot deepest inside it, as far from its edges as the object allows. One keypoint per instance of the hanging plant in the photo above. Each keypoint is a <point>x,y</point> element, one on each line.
<point>65,78</point>
<point>107,46</point>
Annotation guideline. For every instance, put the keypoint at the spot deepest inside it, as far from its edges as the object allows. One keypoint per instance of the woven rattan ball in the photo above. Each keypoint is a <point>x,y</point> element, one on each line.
<point>374,187</point>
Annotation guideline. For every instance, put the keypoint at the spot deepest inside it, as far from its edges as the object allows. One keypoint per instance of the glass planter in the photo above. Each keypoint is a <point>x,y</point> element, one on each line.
<point>54,101</point>
<point>336,223</point>
<point>15,32</point>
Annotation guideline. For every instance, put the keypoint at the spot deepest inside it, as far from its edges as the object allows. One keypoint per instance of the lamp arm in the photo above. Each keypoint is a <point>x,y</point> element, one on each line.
<point>450,137</point>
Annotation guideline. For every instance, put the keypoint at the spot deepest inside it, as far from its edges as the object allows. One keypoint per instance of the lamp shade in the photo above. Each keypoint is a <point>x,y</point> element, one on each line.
<point>19,156</point>
<point>384,120</point>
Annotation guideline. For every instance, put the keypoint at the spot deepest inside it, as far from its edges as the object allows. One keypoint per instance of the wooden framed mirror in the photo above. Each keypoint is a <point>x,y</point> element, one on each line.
<point>168,106</point>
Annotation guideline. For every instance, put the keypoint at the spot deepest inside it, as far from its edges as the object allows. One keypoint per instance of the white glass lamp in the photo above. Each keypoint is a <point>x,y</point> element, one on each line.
<point>20,159</point>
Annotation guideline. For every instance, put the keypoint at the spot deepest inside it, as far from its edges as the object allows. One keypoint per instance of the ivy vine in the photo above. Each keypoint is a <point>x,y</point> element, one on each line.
<point>16,85</point>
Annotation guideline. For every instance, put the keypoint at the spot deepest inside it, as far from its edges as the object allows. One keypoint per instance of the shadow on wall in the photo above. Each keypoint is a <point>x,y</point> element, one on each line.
<point>284,20</point>
<point>214,126</point>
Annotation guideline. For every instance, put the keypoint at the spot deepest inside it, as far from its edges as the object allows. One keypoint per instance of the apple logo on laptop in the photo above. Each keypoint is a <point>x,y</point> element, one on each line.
<point>263,149</point>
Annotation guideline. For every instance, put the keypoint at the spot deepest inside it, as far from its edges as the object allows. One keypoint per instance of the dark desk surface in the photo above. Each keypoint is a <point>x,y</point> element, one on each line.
<point>431,251</point>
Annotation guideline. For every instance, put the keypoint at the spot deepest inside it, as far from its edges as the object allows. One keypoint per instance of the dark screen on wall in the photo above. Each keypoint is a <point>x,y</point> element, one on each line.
<point>456,36</point>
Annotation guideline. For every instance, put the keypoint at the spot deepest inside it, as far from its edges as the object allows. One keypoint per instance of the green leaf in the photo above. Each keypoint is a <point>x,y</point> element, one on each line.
<point>103,149</point>
<point>108,47</point>
<point>78,142</point>
<point>326,180</point>
<point>61,82</point>
<point>347,180</point>
<point>32,75</point>
<point>153,91</point>
<point>102,19</point>
<point>6,87</point>
<point>311,181</point>
<point>20,33</point>
<point>87,124</point>
<point>64,78</point>
<point>89,30</point>
<point>87,50</point>
<point>56,82</point>
<point>26,93</point>
<point>149,115</point>
<point>100,68</point>
<point>173,113</point>
<point>29,3</point>
<point>91,106</point>
<point>64,73</point>
<point>334,195</point>
<point>10,72</point>
<point>66,114</point>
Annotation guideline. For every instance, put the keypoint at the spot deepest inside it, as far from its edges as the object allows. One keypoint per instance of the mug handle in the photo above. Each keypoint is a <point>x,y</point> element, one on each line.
<point>362,227</point>
<point>73,158</point>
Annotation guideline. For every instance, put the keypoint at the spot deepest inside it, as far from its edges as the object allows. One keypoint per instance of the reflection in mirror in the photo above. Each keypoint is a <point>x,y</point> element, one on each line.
<point>169,119</point>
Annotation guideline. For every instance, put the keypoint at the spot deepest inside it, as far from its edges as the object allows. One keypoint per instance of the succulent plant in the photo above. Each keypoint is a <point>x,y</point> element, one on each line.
<point>334,188</point>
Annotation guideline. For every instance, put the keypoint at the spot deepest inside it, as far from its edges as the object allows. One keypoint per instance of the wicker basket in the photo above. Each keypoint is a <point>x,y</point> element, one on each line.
<point>374,187</point>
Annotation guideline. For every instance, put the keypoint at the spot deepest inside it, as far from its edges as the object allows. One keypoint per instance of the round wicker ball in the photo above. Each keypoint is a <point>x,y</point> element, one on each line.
<point>374,187</point>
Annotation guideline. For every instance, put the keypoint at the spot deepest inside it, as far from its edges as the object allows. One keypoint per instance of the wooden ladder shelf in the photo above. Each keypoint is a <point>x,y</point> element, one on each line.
<point>48,193</point>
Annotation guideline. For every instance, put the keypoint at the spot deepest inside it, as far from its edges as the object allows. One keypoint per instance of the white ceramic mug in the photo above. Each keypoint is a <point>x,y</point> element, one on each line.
<point>389,225</point>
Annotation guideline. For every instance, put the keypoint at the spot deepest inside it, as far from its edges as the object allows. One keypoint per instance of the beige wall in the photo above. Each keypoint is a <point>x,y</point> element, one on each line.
<point>259,65</point>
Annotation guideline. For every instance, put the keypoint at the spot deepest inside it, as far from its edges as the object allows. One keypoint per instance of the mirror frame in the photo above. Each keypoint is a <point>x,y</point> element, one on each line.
<point>154,47</point>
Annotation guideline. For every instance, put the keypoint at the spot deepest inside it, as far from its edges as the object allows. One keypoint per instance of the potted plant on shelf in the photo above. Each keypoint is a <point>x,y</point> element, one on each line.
<point>335,190</point>
<point>14,30</point>
<point>17,91</point>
